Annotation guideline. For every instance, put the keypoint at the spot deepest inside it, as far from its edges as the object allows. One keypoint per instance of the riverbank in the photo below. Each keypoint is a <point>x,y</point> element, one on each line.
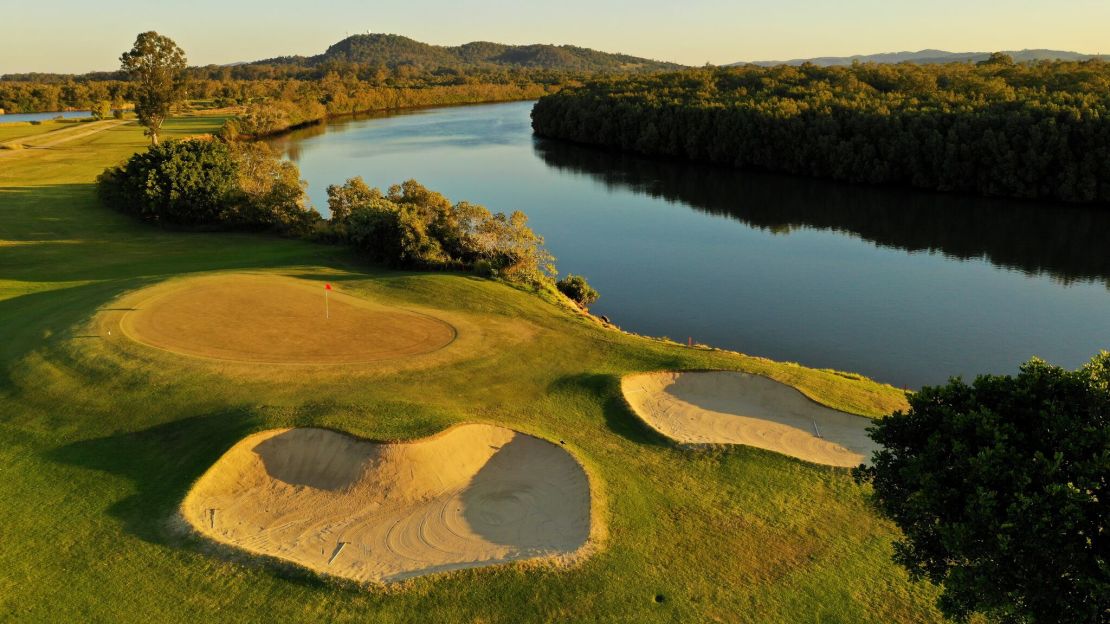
<point>277,117</point>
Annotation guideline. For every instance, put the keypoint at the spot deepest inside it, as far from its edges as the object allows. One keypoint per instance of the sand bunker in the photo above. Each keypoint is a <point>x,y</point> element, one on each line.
<point>276,319</point>
<point>723,407</point>
<point>472,496</point>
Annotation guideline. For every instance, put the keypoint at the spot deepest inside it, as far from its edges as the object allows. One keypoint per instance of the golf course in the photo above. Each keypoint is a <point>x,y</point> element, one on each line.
<point>234,427</point>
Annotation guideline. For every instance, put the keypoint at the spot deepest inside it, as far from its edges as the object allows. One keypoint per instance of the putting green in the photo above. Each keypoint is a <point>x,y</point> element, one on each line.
<point>474,495</point>
<point>276,319</point>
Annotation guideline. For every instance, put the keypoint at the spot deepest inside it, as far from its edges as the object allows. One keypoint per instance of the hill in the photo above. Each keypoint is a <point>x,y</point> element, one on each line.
<point>932,57</point>
<point>396,50</point>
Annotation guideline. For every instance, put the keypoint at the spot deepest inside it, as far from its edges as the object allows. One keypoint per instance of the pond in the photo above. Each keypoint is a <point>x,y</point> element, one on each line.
<point>14,117</point>
<point>907,287</point>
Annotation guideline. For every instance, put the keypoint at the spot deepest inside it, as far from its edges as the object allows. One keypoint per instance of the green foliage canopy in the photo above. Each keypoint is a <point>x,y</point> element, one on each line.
<point>578,290</point>
<point>412,226</point>
<point>1035,131</point>
<point>211,184</point>
<point>1001,490</point>
<point>156,66</point>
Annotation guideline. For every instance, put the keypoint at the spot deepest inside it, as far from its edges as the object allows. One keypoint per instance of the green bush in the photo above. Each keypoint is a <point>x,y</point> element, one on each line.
<point>1000,489</point>
<point>209,184</point>
<point>578,289</point>
<point>411,226</point>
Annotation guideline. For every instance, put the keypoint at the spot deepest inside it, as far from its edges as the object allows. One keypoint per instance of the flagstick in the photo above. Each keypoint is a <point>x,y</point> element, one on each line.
<point>327,310</point>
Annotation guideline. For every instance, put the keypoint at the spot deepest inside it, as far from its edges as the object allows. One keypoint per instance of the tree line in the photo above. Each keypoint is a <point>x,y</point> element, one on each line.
<point>1032,130</point>
<point>210,184</point>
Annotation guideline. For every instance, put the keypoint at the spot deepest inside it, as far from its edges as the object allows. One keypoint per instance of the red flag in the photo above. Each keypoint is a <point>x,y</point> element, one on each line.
<point>327,286</point>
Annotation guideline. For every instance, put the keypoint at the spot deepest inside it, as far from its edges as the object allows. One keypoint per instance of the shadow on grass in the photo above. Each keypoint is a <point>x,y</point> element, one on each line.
<point>162,463</point>
<point>42,321</point>
<point>619,417</point>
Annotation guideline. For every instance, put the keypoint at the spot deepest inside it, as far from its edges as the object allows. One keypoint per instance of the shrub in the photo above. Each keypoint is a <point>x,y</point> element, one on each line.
<point>178,182</point>
<point>412,226</point>
<point>1000,490</point>
<point>209,183</point>
<point>578,289</point>
<point>100,109</point>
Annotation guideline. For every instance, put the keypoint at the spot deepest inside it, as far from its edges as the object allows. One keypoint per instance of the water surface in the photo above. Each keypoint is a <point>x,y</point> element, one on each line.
<point>14,117</point>
<point>905,286</point>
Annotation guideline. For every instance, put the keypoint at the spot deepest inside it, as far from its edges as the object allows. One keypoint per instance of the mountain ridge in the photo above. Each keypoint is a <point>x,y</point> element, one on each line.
<point>391,51</point>
<point>932,56</point>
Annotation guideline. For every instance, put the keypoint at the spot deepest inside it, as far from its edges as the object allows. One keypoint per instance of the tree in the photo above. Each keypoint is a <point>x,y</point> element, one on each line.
<point>101,109</point>
<point>211,184</point>
<point>1001,491</point>
<point>271,191</point>
<point>156,66</point>
<point>178,182</point>
<point>413,226</point>
<point>578,289</point>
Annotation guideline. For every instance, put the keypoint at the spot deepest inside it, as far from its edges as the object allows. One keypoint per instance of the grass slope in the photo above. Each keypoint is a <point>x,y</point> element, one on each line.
<point>99,442</point>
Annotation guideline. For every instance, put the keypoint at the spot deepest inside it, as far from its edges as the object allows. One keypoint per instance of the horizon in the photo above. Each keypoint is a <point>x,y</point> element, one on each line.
<point>705,32</point>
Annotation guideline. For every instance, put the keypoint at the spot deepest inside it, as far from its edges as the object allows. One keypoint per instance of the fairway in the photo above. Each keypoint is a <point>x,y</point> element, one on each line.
<point>726,407</point>
<point>471,496</point>
<point>103,438</point>
<point>277,320</point>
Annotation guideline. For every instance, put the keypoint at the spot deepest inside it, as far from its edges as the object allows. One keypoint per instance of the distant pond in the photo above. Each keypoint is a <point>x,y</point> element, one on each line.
<point>14,117</point>
<point>904,286</point>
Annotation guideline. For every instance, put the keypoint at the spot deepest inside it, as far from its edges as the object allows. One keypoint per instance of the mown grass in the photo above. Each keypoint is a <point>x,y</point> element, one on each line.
<point>21,129</point>
<point>98,445</point>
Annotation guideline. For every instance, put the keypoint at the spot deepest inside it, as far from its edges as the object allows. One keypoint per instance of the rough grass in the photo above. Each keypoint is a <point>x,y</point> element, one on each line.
<point>99,442</point>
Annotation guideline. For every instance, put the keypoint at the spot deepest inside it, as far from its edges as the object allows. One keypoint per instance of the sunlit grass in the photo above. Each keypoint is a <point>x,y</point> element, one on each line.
<point>99,441</point>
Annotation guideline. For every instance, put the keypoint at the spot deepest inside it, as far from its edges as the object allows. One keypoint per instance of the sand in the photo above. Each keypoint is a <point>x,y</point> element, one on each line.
<point>724,407</point>
<point>276,319</point>
<point>474,495</point>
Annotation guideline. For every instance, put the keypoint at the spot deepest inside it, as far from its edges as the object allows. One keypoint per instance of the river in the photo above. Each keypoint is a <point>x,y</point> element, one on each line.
<point>904,286</point>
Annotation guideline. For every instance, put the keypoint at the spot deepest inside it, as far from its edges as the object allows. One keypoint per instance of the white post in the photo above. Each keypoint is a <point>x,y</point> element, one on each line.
<point>327,310</point>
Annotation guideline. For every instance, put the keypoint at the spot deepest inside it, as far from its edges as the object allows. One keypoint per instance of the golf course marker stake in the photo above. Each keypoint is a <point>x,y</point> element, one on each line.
<point>327,311</point>
<point>338,549</point>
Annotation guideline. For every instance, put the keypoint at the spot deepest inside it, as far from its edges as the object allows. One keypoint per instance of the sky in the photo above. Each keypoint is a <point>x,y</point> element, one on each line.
<point>73,37</point>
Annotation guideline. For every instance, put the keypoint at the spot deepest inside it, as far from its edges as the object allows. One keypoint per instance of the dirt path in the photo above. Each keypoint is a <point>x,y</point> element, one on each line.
<point>59,137</point>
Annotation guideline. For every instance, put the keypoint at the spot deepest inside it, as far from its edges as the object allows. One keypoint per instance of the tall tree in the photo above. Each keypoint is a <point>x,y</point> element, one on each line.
<point>1002,491</point>
<point>156,65</point>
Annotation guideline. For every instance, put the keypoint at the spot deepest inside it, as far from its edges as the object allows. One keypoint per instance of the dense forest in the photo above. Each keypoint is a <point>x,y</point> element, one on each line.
<point>1034,131</point>
<point>359,68</point>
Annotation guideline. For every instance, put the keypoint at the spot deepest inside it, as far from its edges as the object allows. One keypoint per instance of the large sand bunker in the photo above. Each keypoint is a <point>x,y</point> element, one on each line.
<point>472,496</point>
<point>724,407</point>
<point>276,319</point>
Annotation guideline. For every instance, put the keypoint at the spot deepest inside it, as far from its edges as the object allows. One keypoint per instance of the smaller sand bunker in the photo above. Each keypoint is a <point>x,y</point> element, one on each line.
<point>725,407</point>
<point>472,496</point>
<point>277,319</point>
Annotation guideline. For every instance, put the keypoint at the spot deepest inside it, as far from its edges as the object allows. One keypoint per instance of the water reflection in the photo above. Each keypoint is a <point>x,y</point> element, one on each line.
<point>1067,243</point>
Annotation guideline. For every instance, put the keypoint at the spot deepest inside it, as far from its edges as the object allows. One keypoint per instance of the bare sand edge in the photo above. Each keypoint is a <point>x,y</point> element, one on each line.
<point>697,446</point>
<point>179,525</point>
<point>168,287</point>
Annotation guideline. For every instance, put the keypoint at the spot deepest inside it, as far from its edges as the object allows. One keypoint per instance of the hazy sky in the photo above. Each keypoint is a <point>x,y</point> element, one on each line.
<point>72,36</point>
